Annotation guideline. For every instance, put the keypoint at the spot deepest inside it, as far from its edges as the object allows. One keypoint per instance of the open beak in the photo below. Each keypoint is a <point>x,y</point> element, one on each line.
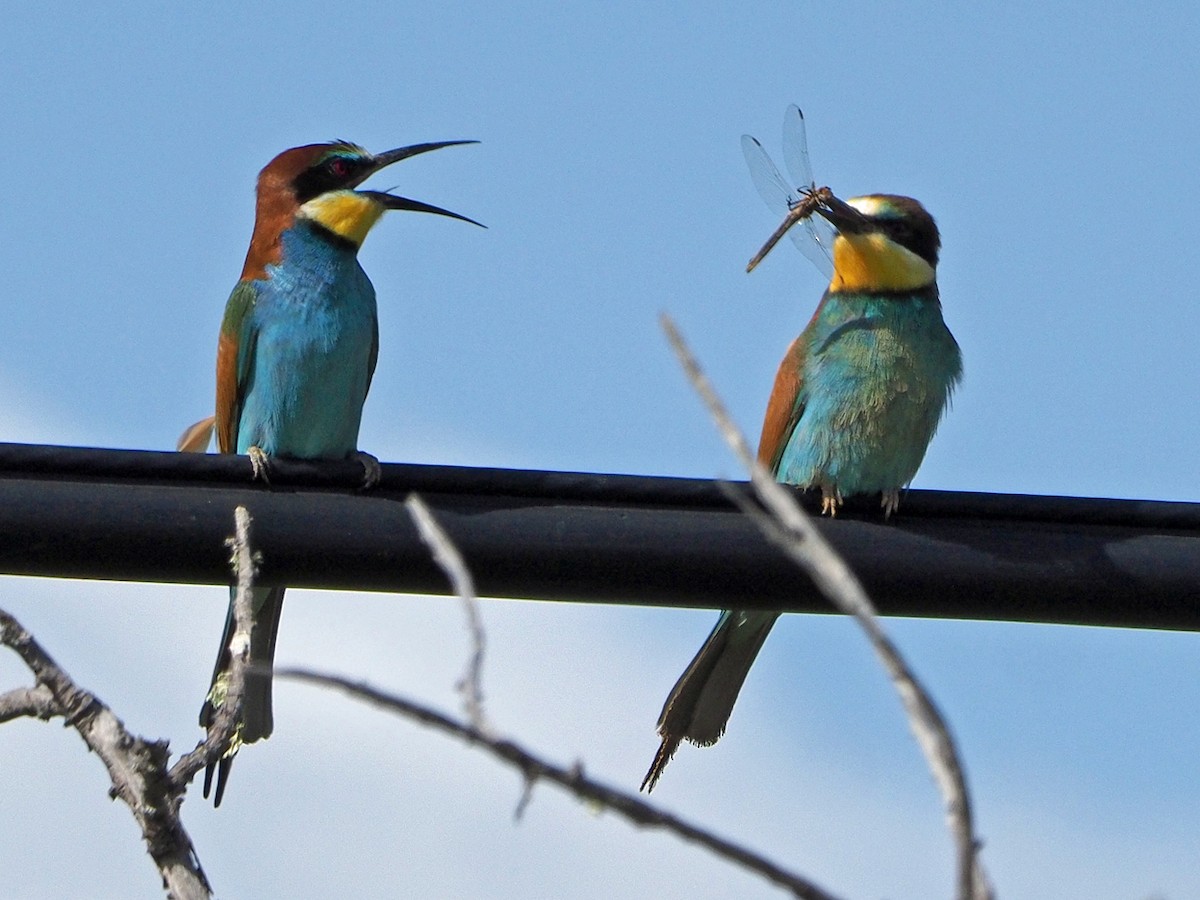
<point>394,201</point>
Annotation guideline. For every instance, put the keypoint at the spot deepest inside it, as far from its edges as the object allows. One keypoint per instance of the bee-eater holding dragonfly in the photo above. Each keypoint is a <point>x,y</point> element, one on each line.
<point>295,357</point>
<point>856,399</point>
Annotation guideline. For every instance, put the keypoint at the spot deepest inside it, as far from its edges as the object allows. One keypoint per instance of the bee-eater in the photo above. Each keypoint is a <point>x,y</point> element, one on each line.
<point>855,404</point>
<point>295,357</point>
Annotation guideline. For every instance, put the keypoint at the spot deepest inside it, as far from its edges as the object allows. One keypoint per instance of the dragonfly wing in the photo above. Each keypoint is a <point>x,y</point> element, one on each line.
<point>815,236</point>
<point>795,148</point>
<point>771,186</point>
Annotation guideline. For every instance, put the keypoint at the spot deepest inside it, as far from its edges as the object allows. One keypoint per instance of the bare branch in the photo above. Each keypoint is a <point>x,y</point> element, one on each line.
<point>35,702</point>
<point>533,768</point>
<point>221,735</point>
<point>447,556</point>
<point>137,767</point>
<point>789,526</point>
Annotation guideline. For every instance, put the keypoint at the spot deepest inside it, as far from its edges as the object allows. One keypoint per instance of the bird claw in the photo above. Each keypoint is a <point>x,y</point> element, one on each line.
<point>830,501</point>
<point>890,502</point>
<point>260,463</point>
<point>373,471</point>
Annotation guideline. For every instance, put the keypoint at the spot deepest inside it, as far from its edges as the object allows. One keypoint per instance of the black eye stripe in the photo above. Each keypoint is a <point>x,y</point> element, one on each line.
<point>924,244</point>
<point>327,175</point>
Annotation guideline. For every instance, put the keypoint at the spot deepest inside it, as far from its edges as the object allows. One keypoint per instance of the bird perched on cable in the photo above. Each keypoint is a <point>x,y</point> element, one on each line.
<point>855,404</point>
<point>296,354</point>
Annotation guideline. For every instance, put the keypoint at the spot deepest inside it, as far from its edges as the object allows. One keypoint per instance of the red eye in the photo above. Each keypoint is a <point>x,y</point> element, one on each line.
<point>339,167</point>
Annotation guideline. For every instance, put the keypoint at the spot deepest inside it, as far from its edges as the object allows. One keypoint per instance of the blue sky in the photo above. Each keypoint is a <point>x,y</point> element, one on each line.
<point>1055,146</point>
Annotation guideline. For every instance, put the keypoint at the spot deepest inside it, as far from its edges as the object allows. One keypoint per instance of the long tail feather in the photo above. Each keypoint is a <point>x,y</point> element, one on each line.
<point>257,719</point>
<point>699,705</point>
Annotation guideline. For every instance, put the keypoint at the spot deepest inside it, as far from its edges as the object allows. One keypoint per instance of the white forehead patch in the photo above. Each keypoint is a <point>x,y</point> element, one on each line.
<point>872,206</point>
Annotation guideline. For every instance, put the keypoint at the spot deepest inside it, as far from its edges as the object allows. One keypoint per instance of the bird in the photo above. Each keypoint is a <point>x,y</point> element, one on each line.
<point>295,357</point>
<point>855,403</point>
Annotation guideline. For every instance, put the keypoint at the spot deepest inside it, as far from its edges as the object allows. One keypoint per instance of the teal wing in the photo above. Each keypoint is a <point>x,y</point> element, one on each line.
<point>235,356</point>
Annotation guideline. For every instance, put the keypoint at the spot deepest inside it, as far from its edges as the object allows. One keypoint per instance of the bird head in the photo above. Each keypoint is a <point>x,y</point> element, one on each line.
<point>317,182</point>
<point>884,243</point>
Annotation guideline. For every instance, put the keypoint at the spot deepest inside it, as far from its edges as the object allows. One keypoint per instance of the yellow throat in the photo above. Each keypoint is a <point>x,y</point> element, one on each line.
<point>873,262</point>
<point>348,214</point>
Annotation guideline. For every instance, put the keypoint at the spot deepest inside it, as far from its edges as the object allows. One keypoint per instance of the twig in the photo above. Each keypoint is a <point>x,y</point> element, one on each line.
<point>136,767</point>
<point>221,733</point>
<point>447,556</point>
<point>785,523</point>
<point>35,703</point>
<point>533,768</point>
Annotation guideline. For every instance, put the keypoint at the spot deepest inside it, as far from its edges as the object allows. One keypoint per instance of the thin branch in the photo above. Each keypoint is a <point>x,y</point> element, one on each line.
<point>788,525</point>
<point>221,734</point>
<point>478,733</point>
<point>136,767</point>
<point>35,703</point>
<point>447,556</point>
<point>533,768</point>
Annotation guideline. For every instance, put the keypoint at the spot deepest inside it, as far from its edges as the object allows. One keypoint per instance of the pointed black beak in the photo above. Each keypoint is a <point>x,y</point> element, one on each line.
<point>841,215</point>
<point>392,201</point>
<point>394,156</point>
<point>818,201</point>
<point>806,207</point>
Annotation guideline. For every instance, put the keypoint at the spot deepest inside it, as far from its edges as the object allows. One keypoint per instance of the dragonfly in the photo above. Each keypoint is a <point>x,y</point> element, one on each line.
<point>797,204</point>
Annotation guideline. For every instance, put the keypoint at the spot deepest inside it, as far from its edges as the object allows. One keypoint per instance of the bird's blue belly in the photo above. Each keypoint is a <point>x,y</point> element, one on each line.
<point>315,326</point>
<point>875,384</point>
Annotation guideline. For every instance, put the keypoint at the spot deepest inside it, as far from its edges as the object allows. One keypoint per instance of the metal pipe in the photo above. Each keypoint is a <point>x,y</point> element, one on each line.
<point>147,516</point>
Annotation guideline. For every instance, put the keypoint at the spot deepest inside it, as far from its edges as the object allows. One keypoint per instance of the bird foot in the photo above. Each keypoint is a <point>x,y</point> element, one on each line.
<point>261,463</point>
<point>890,502</point>
<point>372,473</point>
<point>830,501</point>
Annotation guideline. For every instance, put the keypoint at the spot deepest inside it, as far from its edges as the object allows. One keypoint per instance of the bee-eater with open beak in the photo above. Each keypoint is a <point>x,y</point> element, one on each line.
<point>856,401</point>
<point>295,357</point>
